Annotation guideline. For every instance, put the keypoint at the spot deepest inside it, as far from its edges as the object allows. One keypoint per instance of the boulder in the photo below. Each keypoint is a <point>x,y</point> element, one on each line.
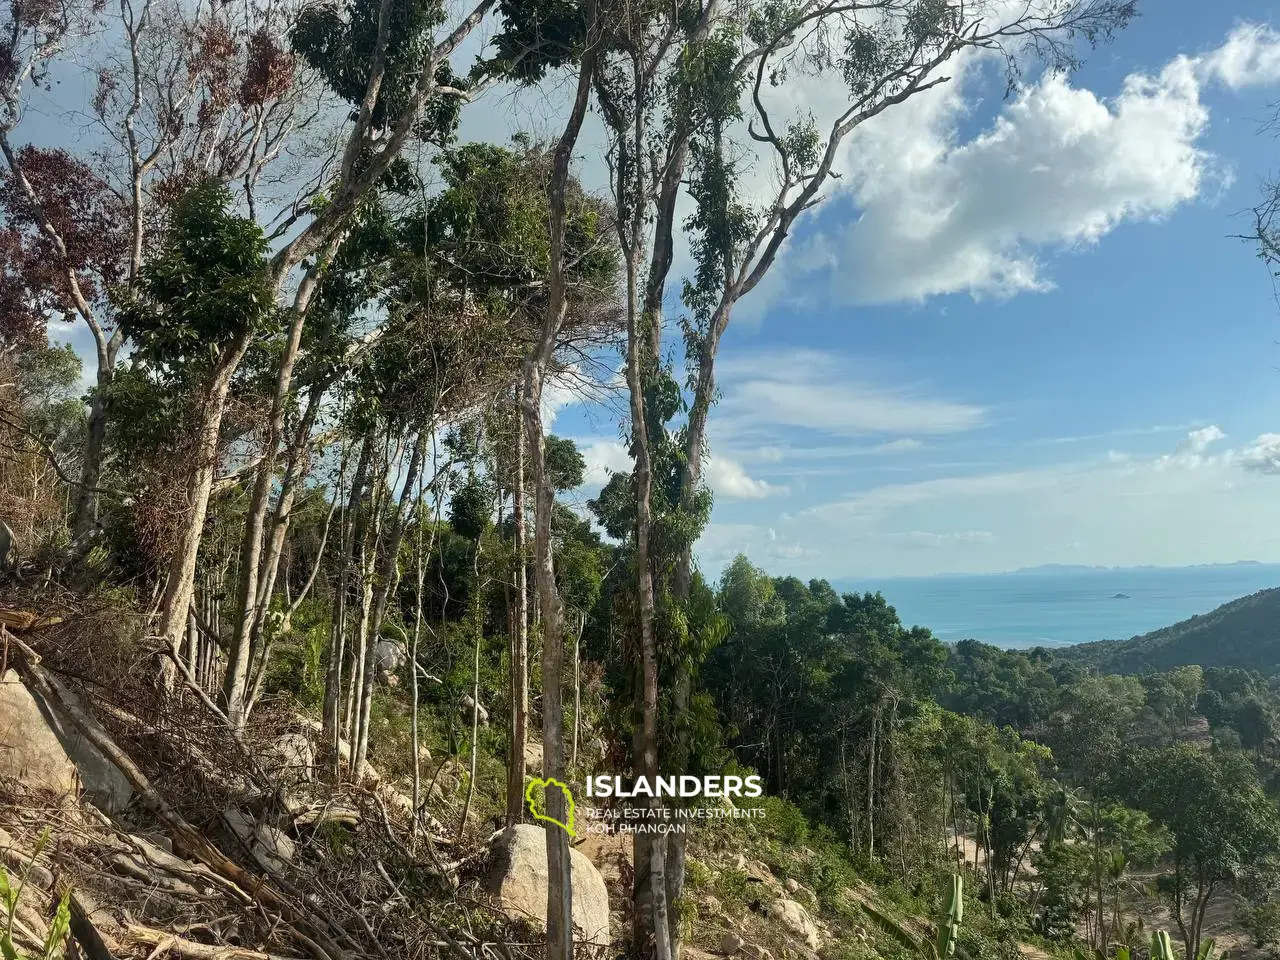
<point>792,885</point>
<point>290,759</point>
<point>388,658</point>
<point>45,751</point>
<point>104,785</point>
<point>273,850</point>
<point>467,705</point>
<point>30,751</point>
<point>533,758</point>
<point>796,920</point>
<point>730,944</point>
<point>518,878</point>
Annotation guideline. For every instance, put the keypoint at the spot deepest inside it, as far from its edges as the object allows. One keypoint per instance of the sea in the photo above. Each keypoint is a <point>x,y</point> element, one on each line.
<point>1053,607</point>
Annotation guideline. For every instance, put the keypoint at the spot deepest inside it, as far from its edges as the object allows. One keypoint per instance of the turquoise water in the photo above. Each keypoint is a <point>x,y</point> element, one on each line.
<point>1057,607</point>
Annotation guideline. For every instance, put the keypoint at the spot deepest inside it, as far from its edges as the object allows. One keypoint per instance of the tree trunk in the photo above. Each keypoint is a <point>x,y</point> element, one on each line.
<point>577,688</point>
<point>387,577</point>
<point>179,586</point>
<point>519,642</point>
<point>559,885</point>
<point>85,513</point>
<point>367,543</point>
<point>478,617</point>
<point>247,596</point>
<point>871,781</point>
<point>337,637</point>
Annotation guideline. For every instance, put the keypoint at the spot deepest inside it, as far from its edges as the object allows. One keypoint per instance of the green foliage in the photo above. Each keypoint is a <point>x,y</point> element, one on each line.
<point>1217,815</point>
<point>1162,947</point>
<point>536,37</point>
<point>205,287</point>
<point>338,38</point>
<point>1261,921</point>
<point>54,946</point>
<point>565,465</point>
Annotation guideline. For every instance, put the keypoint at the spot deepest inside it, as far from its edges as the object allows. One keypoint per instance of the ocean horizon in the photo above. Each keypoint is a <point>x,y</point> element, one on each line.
<point>1059,606</point>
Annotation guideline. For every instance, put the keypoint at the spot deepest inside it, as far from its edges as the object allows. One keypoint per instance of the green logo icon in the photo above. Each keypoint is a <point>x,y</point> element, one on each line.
<point>536,795</point>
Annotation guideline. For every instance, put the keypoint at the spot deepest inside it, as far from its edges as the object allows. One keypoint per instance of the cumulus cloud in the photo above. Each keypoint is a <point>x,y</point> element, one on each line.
<point>927,212</point>
<point>1193,451</point>
<point>603,458</point>
<point>728,479</point>
<point>1249,57</point>
<point>1263,455</point>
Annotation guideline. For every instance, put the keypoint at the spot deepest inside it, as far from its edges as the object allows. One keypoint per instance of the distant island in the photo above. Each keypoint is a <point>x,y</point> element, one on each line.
<point>1120,596</point>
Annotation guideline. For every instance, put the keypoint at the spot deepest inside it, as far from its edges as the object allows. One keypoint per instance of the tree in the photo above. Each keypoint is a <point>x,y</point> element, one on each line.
<point>200,304</point>
<point>1219,821</point>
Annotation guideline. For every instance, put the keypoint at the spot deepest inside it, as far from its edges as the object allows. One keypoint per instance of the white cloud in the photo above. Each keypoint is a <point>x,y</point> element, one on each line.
<point>925,212</point>
<point>1200,503</point>
<point>901,445</point>
<point>603,459</point>
<point>1193,451</point>
<point>729,480</point>
<point>813,390</point>
<point>1263,455</point>
<point>1249,57</point>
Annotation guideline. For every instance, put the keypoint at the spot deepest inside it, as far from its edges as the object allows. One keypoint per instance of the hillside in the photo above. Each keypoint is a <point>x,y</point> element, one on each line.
<point>1243,633</point>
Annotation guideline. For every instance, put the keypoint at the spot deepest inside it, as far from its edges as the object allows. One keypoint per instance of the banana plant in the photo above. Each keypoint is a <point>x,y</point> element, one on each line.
<point>949,922</point>
<point>1162,947</point>
<point>949,925</point>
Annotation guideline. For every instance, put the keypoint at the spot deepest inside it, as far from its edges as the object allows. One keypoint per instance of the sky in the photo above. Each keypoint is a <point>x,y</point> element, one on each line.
<point>1016,332</point>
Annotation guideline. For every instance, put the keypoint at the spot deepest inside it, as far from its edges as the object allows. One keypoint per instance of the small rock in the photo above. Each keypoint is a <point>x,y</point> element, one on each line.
<point>792,885</point>
<point>730,944</point>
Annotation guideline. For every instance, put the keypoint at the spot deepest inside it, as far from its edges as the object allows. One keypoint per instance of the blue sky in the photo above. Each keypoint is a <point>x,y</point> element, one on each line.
<point>1016,332</point>
<point>1019,332</point>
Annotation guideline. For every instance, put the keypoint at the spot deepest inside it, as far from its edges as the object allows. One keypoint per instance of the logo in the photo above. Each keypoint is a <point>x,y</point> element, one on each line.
<point>536,794</point>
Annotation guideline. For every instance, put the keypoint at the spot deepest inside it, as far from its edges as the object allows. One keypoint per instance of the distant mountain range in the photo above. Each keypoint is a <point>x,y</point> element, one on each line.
<point>1243,633</point>
<point>1078,568</point>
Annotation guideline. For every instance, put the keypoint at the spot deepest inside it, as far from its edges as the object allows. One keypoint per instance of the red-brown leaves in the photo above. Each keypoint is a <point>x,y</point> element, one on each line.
<point>91,221</point>
<point>268,71</point>
<point>105,91</point>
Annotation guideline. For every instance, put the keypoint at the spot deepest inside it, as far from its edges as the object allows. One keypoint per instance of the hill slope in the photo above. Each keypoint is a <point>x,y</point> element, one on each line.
<point>1243,633</point>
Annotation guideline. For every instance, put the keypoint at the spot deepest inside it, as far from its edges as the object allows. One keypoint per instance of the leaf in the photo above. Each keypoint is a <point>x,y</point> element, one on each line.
<point>59,928</point>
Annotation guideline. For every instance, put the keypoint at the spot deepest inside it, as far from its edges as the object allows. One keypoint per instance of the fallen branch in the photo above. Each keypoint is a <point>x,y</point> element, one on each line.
<point>186,838</point>
<point>168,943</point>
